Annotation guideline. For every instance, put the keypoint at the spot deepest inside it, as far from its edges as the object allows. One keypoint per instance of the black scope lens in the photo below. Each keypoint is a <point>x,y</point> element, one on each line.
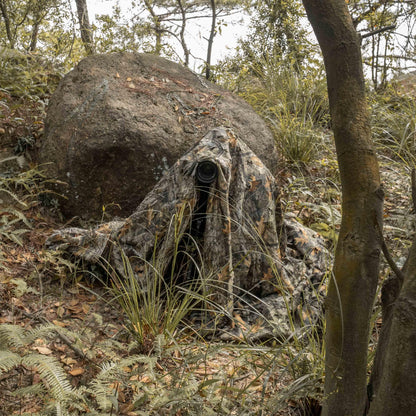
<point>206,172</point>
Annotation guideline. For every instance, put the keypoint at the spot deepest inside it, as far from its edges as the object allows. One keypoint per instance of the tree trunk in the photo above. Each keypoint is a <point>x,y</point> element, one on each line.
<point>208,74</point>
<point>353,286</point>
<point>85,27</point>
<point>6,17</point>
<point>182,33</point>
<point>392,385</point>
<point>394,379</point>
<point>34,36</point>
<point>157,28</point>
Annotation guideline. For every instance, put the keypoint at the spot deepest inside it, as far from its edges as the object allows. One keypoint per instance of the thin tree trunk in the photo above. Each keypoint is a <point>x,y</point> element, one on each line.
<point>208,74</point>
<point>34,36</point>
<point>85,27</point>
<point>352,289</point>
<point>6,19</point>
<point>158,27</point>
<point>182,33</point>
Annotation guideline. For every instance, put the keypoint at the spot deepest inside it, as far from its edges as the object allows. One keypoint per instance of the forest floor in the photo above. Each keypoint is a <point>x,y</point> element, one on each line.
<point>87,334</point>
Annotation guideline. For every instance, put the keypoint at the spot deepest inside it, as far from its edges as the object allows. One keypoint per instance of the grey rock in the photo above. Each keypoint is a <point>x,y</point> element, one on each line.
<point>117,122</point>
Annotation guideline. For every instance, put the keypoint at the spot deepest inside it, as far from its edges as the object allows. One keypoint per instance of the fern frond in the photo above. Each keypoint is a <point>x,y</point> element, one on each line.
<point>136,359</point>
<point>40,331</point>
<point>55,408</point>
<point>77,400</point>
<point>21,287</point>
<point>107,368</point>
<point>110,347</point>
<point>51,373</point>
<point>101,392</point>
<point>12,336</point>
<point>8,360</point>
<point>34,390</point>
<point>102,386</point>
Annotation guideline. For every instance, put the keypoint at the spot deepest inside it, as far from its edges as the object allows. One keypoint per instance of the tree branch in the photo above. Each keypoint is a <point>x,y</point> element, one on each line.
<point>375,32</point>
<point>63,337</point>
<point>387,254</point>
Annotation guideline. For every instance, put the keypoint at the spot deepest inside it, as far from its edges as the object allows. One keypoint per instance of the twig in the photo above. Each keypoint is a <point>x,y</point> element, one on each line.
<point>374,32</point>
<point>62,337</point>
<point>387,255</point>
<point>414,188</point>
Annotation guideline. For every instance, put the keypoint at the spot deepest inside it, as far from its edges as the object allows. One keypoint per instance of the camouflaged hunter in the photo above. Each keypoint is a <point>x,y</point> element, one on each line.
<point>223,205</point>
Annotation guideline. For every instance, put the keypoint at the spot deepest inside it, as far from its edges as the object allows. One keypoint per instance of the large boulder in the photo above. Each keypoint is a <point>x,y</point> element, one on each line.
<point>118,121</point>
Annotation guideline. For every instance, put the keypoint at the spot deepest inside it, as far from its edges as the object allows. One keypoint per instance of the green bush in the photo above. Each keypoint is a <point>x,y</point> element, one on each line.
<point>394,124</point>
<point>27,75</point>
<point>294,105</point>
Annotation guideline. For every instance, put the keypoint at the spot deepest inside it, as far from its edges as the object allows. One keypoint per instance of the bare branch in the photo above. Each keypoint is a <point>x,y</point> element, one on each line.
<point>387,254</point>
<point>375,32</point>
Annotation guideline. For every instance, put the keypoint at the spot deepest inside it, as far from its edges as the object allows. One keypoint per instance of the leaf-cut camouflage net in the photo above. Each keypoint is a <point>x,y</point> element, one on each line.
<point>232,227</point>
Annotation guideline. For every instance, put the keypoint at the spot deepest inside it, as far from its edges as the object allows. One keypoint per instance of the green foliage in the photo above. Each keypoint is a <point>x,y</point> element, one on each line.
<point>54,379</point>
<point>21,19</point>
<point>41,28</point>
<point>20,194</point>
<point>294,105</point>
<point>153,306</point>
<point>21,190</point>
<point>117,33</point>
<point>27,75</point>
<point>389,51</point>
<point>275,31</point>
<point>193,379</point>
<point>394,124</point>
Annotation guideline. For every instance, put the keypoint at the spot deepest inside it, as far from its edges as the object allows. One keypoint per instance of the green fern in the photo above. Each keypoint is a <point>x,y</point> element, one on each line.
<point>55,388</point>
<point>12,336</point>
<point>101,388</point>
<point>34,390</point>
<point>17,337</point>
<point>9,360</point>
<point>51,373</point>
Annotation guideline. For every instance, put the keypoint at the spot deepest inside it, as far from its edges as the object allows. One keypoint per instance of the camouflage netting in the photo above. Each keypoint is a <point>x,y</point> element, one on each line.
<point>220,205</point>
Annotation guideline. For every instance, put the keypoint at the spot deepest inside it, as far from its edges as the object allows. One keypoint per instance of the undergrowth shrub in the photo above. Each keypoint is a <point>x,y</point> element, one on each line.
<point>394,124</point>
<point>293,104</point>
<point>18,193</point>
<point>21,196</point>
<point>193,378</point>
<point>154,306</point>
<point>27,75</point>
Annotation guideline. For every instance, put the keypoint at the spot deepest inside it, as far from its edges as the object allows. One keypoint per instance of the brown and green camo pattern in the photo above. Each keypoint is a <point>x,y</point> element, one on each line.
<point>247,249</point>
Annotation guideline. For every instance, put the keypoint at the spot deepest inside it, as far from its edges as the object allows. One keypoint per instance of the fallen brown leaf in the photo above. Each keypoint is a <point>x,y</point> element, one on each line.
<point>76,371</point>
<point>59,323</point>
<point>43,350</point>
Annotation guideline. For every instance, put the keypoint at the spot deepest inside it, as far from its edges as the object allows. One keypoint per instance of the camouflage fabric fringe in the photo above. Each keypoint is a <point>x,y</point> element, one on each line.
<point>232,227</point>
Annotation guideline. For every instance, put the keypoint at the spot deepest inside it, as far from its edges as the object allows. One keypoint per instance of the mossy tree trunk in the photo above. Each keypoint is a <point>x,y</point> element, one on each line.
<point>352,289</point>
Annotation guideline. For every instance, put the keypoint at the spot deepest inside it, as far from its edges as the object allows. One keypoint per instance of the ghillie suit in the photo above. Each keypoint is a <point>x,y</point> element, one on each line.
<point>216,214</point>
